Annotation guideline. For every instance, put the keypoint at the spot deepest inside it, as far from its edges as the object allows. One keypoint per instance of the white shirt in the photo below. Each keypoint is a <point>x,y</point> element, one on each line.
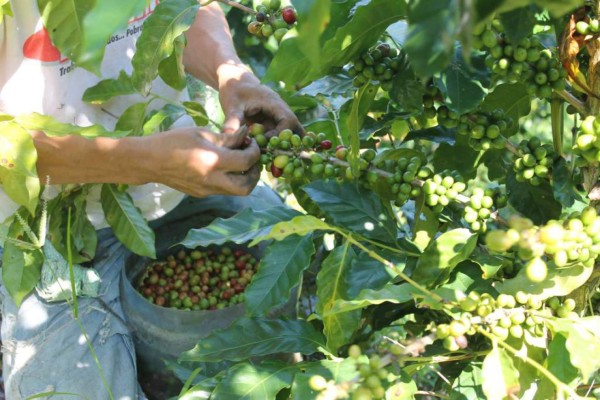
<point>35,77</point>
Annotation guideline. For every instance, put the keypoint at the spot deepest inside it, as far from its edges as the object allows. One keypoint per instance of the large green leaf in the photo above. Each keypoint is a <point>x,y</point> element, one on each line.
<point>21,269</point>
<point>133,119</point>
<point>351,36</point>
<point>338,371</point>
<point>519,23</point>
<point>354,208</point>
<point>513,99</point>
<point>251,337</point>
<point>368,273</point>
<point>108,88</point>
<point>536,202</point>
<point>430,41</point>
<point>558,282</point>
<point>445,158</point>
<point>247,381</point>
<point>18,173</point>
<point>83,234</point>
<point>559,360</point>
<point>407,88</point>
<point>279,272</point>
<point>582,341</point>
<point>99,24</point>
<point>395,294</point>
<point>500,377</point>
<point>197,112</point>
<point>563,186</point>
<point>468,384</point>
<point>169,20</point>
<point>442,255</point>
<point>302,225</point>
<point>352,117</point>
<point>314,17</point>
<point>241,228</point>
<point>63,20</point>
<point>52,127</point>
<point>171,70</point>
<point>331,287</point>
<point>126,221</point>
<point>463,84</point>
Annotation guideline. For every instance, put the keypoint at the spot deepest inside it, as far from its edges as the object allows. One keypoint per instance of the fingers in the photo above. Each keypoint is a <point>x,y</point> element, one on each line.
<point>233,122</point>
<point>232,160</point>
<point>236,184</point>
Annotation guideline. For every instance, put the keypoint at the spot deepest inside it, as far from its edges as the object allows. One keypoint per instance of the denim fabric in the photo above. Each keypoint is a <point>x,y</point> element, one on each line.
<point>44,349</point>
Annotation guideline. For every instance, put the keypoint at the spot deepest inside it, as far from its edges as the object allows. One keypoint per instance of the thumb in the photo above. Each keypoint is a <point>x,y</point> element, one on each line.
<point>233,121</point>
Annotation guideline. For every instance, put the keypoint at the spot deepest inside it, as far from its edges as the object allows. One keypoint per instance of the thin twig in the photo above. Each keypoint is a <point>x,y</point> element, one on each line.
<point>574,101</point>
<point>237,5</point>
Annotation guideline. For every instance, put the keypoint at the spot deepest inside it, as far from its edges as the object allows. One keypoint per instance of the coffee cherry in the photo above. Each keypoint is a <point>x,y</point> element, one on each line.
<point>289,15</point>
<point>261,17</point>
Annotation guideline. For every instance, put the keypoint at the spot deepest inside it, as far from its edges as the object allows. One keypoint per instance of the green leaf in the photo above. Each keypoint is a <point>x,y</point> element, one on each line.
<point>564,188</point>
<point>500,377</point>
<point>430,41</point>
<point>395,294</point>
<point>21,269</point>
<point>157,118</point>
<point>353,118</point>
<point>338,371</point>
<point>241,228</point>
<point>197,112</point>
<point>133,119</point>
<point>252,337</point>
<point>559,360</point>
<point>302,225</point>
<point>513,99</point>
<point>352,36</point>
<point>407,88</point>
<point>354,208</point>
<point>18,173</point>
<point>169,20</point>
<point>280,271</point>
<point>126,221</point>
<point>367,273</point>
<point>52,127</point>
<point>559,282</point>
<point>83,234</point>
<point>171,70</point>
<point>108,88</point>
<point>519,23</point>
<point>442,255</point>
<point>314,17</point>
<point>468,384</point>
<point>558,8</point>
<point>536,202</point>
<point>247,381</point>
<point>63,20</point>
<point>445,158</point>
<point>463,83</point>
<point>99,24</point>
<point>331,287</point>
<point>582,342</point>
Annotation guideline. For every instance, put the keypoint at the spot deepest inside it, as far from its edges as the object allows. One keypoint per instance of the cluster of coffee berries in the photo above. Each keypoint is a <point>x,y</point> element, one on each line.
<point>588,27</point>
<point>371,374</point>
<point>558,244</point>
<point>272,20</point>
<point>198,280</point>
<point>401,175</point>
<point>485,130</point>
<point>527,61</point>
<point>379,65</point>
<point>534,161</point>
<point>505,317</point>
<point>443,188</point>
<point>480,207</point>
<point>587,144</point>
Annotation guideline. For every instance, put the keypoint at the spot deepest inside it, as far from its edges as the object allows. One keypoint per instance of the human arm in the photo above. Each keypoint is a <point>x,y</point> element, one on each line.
<point>211,57</point>
<point>192,160</point>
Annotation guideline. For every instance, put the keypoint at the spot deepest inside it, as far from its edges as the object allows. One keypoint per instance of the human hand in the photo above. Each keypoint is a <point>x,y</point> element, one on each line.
<point>200,163</point>
<point>245,100</point>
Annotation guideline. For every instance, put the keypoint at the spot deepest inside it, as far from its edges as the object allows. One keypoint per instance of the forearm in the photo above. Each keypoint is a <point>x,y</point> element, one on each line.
<point>74,159</point>
<point>210,55</point>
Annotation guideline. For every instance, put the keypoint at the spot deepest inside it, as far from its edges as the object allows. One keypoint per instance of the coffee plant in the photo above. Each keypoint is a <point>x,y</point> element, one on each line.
<point>444,233</point>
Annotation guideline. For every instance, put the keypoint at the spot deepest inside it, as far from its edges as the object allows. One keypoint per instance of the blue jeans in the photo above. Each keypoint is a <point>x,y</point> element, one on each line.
<point>44,346</point>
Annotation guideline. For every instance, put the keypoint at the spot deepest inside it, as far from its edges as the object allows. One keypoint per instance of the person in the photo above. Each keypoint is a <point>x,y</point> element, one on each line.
<point>45,350</point>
